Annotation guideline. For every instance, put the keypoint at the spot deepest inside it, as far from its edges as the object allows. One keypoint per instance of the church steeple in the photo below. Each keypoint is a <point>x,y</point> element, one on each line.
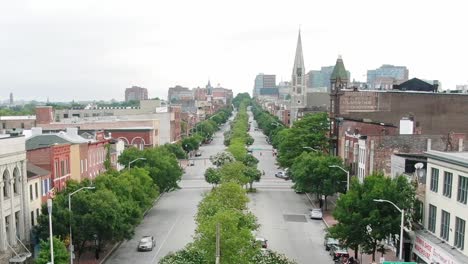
<point>298,68</point>
<point>298,91</point>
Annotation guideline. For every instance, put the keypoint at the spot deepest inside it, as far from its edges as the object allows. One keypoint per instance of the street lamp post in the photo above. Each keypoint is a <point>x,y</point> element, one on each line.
<point>347,174</point>
<point>134,161</point>
<point>69,209</point>
<point>310,148</point>
<point>49,209</point>
<point>402,211</point>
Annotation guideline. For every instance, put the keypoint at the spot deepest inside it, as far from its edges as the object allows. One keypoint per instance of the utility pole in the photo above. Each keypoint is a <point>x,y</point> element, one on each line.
<point>218,238</point>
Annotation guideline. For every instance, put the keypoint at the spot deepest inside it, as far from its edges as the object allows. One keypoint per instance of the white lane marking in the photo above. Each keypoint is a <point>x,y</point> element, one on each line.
<point>167,236</point>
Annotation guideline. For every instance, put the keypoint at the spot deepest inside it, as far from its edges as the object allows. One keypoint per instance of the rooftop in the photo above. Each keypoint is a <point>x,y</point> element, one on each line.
<point>459,158</point>
<point>34,170</point>
<point>17,117</point>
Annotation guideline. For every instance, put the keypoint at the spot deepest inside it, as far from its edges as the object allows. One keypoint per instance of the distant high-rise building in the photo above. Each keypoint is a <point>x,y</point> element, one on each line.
<point>136,94</point>
<point>386,76</point>
<point>321,78</point>
<point>298,84</point>
<point>265,84</point>
<point>11,99</point>
<point>284,90</point>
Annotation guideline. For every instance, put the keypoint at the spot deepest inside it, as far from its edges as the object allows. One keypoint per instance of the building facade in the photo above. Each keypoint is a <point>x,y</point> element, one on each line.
<point>265,84</point>
<point>14,195</point>
<point>136,93</point>
<point>445,210</point>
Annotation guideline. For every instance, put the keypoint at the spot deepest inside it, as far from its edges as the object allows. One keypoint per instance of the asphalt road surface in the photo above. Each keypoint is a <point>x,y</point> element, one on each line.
<point>282,213</point>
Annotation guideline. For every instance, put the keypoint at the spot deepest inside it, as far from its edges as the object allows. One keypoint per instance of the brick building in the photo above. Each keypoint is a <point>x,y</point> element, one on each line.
<point>39,182</point>
<point>433,113</point>
<point>136,94</point>
<point>367,147</point>
<point>54,158</point>
<point>16,124</point>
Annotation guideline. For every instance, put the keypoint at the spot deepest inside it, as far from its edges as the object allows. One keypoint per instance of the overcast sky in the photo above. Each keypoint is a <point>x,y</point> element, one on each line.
<point>94,49</point>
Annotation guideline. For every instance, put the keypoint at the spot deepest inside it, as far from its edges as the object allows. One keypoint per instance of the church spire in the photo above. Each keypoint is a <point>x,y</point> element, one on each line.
<point>299,58</point>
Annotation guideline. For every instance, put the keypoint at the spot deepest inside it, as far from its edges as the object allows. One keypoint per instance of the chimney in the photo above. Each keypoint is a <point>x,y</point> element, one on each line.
<point>36,131</point>
<point>44,115</point>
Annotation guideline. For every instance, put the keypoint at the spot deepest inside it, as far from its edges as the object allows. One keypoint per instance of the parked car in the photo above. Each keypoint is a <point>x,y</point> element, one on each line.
<point>329,242</point>
<point>191,163</point>
<point>249,150</point>
<point>316,214</point>
<point>282,175</point>
<point>198,154</point>
<point>146,243</point>
<point>337,251</point>
<point>262,242</point>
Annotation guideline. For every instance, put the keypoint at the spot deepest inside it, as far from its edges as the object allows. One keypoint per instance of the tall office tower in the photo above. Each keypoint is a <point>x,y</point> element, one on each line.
<point>386,76</point>
<point>265,84</point>
<point>136,93</point>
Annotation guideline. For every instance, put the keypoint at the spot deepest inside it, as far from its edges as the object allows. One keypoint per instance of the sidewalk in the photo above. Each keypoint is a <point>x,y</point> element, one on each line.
<point>329,220</point>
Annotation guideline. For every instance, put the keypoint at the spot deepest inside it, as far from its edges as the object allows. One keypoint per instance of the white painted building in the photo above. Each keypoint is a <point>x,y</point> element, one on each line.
<point>445,210</point>
<point>14,204</point>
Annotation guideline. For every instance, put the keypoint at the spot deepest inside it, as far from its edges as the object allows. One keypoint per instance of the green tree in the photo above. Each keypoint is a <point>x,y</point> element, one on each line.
<point>250,160</point>
<point>311,172</point>
<point>234,172</point>
<point>212,176</point>
<point>187,255</point>
<point>356,210</point>
<point>272,257</point>
<point>176,149</point>
<point>61,255</point>
<point>310,131</point>
<point>222,158</point>
<point>252,174</point>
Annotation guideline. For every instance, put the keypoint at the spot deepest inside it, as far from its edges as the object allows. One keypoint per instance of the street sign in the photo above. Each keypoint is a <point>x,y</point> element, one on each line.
<point>398,262</point>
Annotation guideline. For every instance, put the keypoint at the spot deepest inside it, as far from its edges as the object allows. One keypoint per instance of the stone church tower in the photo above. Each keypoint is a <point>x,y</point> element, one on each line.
<point>298,83</point>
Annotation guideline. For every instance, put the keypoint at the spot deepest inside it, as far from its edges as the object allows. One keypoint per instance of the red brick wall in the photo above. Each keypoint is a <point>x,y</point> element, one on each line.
<point>433,113</point>
<point>44,114</point>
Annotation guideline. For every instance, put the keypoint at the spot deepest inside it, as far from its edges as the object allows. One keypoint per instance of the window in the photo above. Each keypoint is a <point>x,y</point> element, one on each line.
<point>459,233</point>
<point>462,189</point>
<point>434,180</point>
<point>445,225</point>
<point>32,218</point>
<point>22,125</point>
<point>37,212</point>
<point>62,167</point>
<point>4,125</point>
<point>30,192</point>
<point>81,166</point>
<point>448,178</point>
<point>56,168</point>
<point>432,218</point>
<point>35,187</point>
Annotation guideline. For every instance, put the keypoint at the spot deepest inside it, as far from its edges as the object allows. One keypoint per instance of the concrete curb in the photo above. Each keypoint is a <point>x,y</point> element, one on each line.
<point>313,205</point>
<point>116,246</point>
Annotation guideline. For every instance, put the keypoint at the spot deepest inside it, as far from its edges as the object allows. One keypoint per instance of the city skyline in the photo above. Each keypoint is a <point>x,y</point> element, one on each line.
<point>83,50</point>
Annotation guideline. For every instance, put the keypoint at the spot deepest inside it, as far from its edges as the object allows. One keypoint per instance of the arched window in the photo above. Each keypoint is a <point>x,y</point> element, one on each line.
<point>6,184</point>
<point>16,179</point>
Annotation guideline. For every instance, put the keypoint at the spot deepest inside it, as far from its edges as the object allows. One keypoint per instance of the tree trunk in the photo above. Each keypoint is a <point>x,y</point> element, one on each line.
<point>326,204</point>
<point>356,252</point>
<point>251,183</point>
<point>374,247</point>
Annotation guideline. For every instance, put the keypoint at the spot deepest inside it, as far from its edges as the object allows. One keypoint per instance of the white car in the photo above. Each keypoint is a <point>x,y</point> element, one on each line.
<point>146,243</point>
<point>316,214</point>
<point>262,242</point>
<point>282,175</point>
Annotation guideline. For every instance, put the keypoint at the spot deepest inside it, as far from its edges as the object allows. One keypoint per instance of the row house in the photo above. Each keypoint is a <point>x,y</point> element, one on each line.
<point>68,155</point>
<point>14,205</point>
<point>40,183</point>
